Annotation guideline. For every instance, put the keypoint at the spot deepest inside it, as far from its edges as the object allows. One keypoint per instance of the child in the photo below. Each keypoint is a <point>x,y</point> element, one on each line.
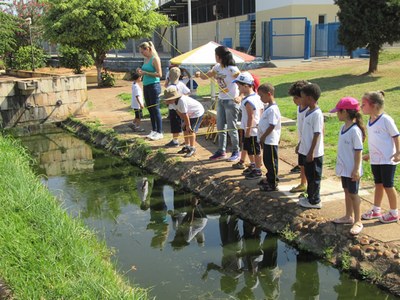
<point>348,162</point>
<point>173,79</point>
<point>384,155</point>
<point>251,107</point>
<point>269,132</point>
<point>295,92</point>
<point>311,147</point>
<point>137,102</point>
<point>191,112</point>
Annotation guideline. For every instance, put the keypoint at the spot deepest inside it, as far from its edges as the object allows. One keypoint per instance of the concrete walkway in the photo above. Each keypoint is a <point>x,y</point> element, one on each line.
<point>113,113</point>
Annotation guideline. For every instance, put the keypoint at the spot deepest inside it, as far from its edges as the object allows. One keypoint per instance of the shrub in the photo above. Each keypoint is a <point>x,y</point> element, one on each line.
<point>75,58</point>
<point>23,58</point>
<point>107,79</point>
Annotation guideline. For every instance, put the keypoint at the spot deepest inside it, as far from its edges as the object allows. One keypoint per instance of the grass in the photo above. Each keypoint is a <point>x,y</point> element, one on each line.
<point>126,98</point>
<point>45,254</point>
<point>335,84</point>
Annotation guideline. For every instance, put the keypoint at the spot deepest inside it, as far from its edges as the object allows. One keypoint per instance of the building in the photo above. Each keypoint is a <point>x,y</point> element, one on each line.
<point>267,28</point>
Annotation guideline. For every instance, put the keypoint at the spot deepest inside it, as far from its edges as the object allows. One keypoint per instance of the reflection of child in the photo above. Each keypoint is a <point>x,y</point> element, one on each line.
<point>384,155</point>
<point>348,163</point>
<point>137,102</point>
<point>142,188</point>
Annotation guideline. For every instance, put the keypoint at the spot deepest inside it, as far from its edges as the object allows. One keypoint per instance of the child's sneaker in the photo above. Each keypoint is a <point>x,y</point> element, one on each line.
<point>239,165</point>
<point>172,144</point>
<point>371,214</point>
<point>265,187</point>
<point>218,155</point>
<point>255,174</point>
<point>185,149</point>
<point>248,171</point>
<point>298,189</point>
<point>388,218</point>
<point>138,129</point>
<point>191,152</point>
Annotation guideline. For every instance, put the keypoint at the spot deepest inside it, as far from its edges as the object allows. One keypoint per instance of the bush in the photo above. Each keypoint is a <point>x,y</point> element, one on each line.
<point>75,58</point>
<point>23,58</point>
<point>107,79</point>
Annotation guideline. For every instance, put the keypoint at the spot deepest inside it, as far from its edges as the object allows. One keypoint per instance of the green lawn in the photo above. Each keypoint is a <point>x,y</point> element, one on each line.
<point>335,84</point>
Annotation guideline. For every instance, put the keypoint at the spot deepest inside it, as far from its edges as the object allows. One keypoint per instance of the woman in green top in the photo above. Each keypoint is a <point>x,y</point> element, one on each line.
<point>151,72</point>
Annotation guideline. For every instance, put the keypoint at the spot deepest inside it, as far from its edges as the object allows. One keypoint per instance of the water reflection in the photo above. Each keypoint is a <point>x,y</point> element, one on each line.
<point>206,253</point>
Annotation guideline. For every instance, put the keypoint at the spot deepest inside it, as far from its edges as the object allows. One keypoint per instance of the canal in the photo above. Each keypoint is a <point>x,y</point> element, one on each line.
<point>173,243</point>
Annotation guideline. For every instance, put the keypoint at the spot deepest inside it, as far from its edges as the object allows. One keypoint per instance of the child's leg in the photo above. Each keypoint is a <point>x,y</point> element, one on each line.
<point>355,201</point>
<point>378,194</point>
<point>349,204</point>
<point>258,161</point>
<point>303,179</point>
<point>392,196</point>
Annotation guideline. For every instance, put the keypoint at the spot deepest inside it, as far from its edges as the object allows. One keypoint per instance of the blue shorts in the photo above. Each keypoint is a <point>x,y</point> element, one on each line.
<point>138,113</point>
<point>195,123</point>
<point>350,185</point>
<point>384,174</point>
<point>251,145</point>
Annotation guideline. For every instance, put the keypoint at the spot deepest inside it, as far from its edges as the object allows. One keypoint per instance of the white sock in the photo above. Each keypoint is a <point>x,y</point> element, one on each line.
<point>394,212</point>
<point>175,140</point>
<point>376,208</point>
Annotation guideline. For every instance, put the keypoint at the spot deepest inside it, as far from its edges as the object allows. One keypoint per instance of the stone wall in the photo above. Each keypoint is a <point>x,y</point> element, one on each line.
<point>41,99</point>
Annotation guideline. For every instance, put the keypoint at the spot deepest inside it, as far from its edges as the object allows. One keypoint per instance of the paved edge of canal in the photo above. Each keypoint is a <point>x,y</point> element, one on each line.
<point>367,258</point>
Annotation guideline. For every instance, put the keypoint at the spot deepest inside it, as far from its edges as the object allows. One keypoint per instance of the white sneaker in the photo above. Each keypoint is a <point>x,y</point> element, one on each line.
<point>306,204</point>
<point>157,136</point>
<point>151,134</point>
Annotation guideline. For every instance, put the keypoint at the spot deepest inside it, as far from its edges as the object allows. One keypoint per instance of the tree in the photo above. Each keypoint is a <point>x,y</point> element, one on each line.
<point>8,30</point>
<point>369,24</point>
<point>97,26</point>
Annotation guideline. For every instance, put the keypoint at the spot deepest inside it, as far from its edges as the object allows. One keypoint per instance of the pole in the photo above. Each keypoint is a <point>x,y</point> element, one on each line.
<point>190,40</point>
<point>29,20</point>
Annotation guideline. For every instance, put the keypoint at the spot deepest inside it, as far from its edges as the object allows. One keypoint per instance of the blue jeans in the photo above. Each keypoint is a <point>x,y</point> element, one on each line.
<point>151,94</point>
<point>227,117</point>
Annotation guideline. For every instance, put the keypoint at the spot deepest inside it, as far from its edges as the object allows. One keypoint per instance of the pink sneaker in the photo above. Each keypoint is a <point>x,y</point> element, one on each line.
<point>388,218</point>
<point>371,214</point>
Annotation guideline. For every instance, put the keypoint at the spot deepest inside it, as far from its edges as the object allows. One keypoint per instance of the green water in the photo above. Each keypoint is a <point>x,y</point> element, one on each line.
<point>180,248</point>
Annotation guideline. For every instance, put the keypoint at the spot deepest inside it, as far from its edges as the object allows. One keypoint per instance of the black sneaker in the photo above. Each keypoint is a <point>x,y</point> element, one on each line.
<point>296,169</point>
<point>268,188</point>
<point>171,144</point>
<point>248,171</point>
<point>184,149</point>
<point>239,165</point>
<point>255,174</point>
<point>192,151</point>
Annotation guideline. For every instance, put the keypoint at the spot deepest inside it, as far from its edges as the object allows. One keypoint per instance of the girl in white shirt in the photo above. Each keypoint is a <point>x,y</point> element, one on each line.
<point>348,162</point>
<point>384,155</point>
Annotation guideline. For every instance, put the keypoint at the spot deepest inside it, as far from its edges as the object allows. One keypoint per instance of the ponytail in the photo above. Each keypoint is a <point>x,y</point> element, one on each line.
<point>355,115</point>
<point>150,45</point>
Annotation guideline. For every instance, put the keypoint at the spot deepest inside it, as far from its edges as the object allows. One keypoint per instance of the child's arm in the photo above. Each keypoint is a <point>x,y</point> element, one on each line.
<point>310,154</point>
<point>396,156</point>
<point>355,174</point>
<point>186,120</point>
<point>250,118</point>
<point>266,133</point>
<point>139,102</point>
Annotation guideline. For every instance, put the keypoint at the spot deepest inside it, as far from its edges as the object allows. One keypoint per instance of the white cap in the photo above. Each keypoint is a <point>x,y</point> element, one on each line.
<point>245,77</point>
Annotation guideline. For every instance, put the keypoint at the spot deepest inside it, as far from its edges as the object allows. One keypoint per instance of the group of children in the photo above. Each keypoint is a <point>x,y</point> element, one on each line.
<point>261,125</point>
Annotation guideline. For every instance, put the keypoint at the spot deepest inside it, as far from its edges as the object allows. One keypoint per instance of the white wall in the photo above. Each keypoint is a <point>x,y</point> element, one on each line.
<point>271,4</point>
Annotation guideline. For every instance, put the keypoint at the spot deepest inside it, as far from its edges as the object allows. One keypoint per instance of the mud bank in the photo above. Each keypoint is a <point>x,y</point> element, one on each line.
<point>366,257</point>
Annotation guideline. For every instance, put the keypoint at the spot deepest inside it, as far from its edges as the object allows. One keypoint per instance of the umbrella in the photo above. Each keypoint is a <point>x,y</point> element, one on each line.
<point>204,55</point>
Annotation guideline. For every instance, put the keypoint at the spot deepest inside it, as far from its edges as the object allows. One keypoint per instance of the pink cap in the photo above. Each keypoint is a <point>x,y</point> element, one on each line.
<point>346,103</point>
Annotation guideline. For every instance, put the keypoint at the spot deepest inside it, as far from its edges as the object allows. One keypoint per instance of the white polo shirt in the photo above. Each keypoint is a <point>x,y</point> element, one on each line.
<point>190,106</point>
<point>380,140</point>
<point>313,123</point>
<point>182,89</point>
<point>136,91</point>
<point>257,106</point>
<point>270,116</point>
<point>350,141</point>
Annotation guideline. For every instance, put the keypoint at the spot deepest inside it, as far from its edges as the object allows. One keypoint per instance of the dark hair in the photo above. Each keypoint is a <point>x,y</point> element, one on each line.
<point>135,75</point>
<point>225,55</point>
<point>267,88</point>
<point>377,98</point>
<point>355,115</point>
<point>295,88</point>
<point>312,90</point>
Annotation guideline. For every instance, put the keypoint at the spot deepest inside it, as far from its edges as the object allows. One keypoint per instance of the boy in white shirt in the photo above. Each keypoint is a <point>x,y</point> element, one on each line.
<point>252,108</point>
<point>137,102</point>
<point>191,112</point>
<point>269,132</point>
<point>311,147</point>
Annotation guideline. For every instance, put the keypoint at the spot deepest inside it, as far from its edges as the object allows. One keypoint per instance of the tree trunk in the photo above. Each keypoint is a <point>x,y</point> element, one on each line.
<point>373,58</point>
<point>98,62</point>
<point>98,68</point>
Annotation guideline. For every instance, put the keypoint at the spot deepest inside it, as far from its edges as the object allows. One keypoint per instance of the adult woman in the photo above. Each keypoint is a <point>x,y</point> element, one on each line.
<point>224,72</point>
<point>151,72</point>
